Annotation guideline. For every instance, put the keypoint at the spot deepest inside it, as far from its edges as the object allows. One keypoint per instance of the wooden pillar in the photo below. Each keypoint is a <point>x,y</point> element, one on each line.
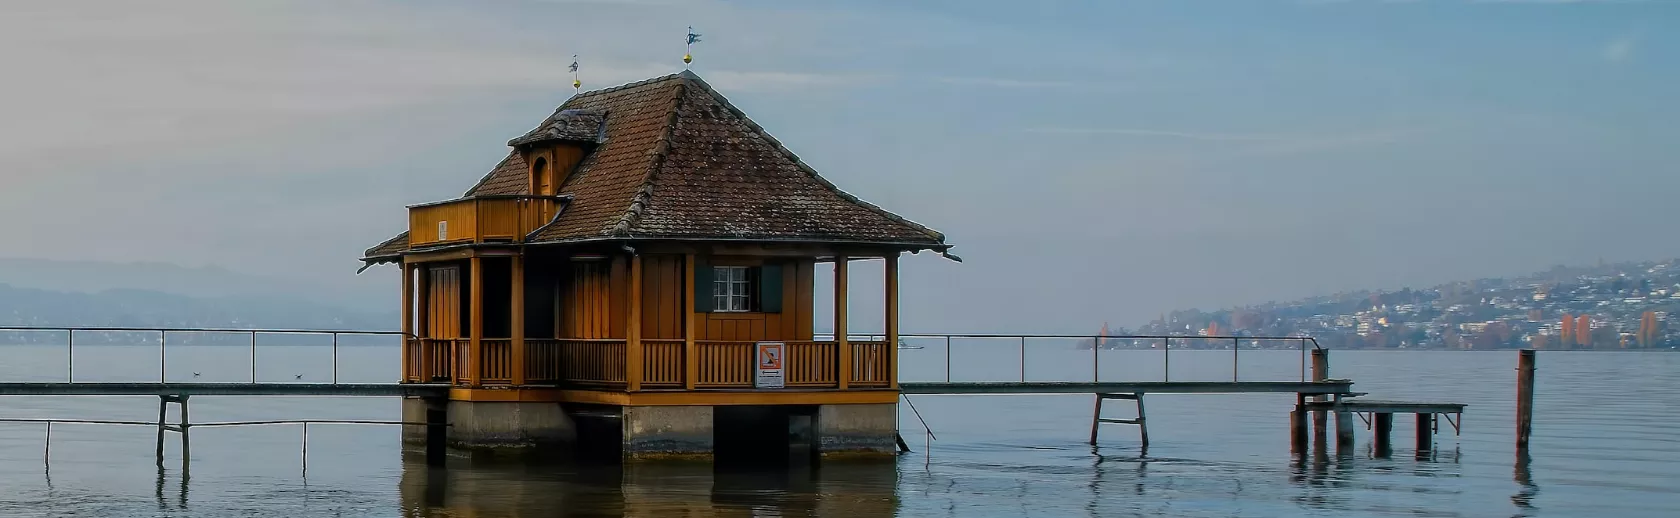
<point>423,319</point>
<point>408,340</point>
<point>843,347</point>
<point>691,361</point>
<point>1525,397</point>
<point>1383,428</point>
<point>633,335</point>
<point>1320,372</point>
<point>1425,431</point>
<point>517,318</point>
<point>892,320</point>
<point>475,327</point>
<point>1298,425</point>
<point>1344,431</point>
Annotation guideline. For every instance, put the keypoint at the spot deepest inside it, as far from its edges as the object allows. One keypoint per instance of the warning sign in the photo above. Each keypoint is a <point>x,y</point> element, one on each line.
<point>769,372</point>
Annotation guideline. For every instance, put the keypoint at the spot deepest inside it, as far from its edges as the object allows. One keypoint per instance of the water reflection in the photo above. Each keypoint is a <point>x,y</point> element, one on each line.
<point>834,488</point>
<point>1524,499</point>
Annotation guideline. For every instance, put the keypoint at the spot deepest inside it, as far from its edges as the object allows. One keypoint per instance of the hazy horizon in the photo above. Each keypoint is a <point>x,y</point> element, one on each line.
<point>1090,161</point>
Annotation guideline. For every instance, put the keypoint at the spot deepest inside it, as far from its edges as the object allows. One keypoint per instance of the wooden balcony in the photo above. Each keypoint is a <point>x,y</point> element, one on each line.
<point>482,219</point>
<point>666,364</point>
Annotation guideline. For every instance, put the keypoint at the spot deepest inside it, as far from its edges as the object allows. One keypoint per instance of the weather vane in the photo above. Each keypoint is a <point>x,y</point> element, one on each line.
<point>688,57</point>
<point>577,85</point>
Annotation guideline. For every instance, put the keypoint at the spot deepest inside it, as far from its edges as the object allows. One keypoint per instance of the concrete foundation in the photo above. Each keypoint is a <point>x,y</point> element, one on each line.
<point>667,432</point>
<point>857,430</point>
<point>510,425</point>
<point>414,411</point>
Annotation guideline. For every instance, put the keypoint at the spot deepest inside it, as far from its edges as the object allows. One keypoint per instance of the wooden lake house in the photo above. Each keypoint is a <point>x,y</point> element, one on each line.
<point>626,272</point>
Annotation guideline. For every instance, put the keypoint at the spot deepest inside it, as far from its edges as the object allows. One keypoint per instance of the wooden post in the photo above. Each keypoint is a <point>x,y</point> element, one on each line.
<point>1320,372</point>
<point>633,335</point>
<point>892,320</point>
<point>1298,425</point>
<point>841,344</point>
<point>1383,428</point>
<point>690,359</point>
<point>1096,418</point>
<point>407,322</point>
<point>517,319</point>
<point>475,344</point>
<point>1344,431</point>
<point>1425,431</point>
<point>1142,424</point>
<point>163,412</point>
<point>1525,397</point>
<point>423,320</point>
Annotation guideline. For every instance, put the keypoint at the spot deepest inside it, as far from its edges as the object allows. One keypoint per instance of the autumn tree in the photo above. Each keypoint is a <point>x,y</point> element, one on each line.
<point>1567,333</point>
<point>1583,331</point>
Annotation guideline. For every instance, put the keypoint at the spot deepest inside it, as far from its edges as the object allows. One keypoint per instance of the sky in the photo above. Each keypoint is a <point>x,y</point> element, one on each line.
<point>1091,161</point>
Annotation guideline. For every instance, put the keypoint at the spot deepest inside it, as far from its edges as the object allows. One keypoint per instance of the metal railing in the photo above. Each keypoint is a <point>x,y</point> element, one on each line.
<point>1098,344</point>
<point>46,453</point>
<point>163,335</point>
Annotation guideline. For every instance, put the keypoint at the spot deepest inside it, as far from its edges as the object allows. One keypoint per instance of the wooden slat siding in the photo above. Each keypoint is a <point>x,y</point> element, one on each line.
<point>663,294</point>
<point>592,363</point>
<point>498,220</point>
<point>618,298</point>
<point>444,315</point>
<point>662,364</point>
<point>542,361</point>
<point>792,323</point>
<point>725,364</point>
<point>462,217</point>
<point>869,362</point>
<point>586,303</point>
<point>516,316</point>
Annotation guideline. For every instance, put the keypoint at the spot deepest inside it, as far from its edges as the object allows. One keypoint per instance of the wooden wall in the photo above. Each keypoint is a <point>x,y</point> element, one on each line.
<point>792,323</point>
<point>593,299</point>
<point>447,290</point>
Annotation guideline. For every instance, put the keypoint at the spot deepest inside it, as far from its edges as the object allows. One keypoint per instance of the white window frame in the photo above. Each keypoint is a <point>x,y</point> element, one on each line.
<point>732,289</point>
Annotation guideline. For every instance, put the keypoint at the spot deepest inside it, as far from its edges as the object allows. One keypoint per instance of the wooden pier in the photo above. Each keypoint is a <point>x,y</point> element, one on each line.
<point>1378,415</point>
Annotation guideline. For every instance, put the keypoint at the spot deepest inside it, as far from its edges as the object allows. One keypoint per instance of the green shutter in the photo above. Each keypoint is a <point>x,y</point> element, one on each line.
<point>770,288</point>
<point>702,286</point>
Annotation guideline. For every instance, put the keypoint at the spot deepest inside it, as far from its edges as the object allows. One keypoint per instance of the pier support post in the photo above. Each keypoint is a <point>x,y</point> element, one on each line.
<point>1425,432</point>
<point>163,413</point>
<point>1525,397</point>
<point>1344,431</point>
<point>1320,372</point>
<point>1383,428</point>
<point>1298,425</point>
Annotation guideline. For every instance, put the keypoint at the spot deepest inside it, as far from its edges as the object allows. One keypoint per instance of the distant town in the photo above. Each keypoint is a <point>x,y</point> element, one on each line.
<point>1602,307</point>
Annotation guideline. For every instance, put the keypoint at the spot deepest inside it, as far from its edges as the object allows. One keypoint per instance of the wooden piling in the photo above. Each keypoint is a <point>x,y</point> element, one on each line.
<point>163,412</point>
<point>1525,397</point>
<point>1382,429</point>
<point>437,440</point>
<point>1298,425</point>
<point>1320,372</point>
<point>1096,418</point>
<point>1425,432</point>
<point>1344,431</point>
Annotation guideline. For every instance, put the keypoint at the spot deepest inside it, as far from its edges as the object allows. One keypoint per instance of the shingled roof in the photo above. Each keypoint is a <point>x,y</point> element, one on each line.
<point>677,161</point>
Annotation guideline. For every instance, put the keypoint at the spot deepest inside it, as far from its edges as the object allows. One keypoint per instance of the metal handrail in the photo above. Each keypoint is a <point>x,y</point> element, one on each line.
<point>163,341</point>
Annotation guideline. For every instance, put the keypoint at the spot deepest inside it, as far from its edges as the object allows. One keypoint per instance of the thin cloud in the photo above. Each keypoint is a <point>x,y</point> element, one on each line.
<point>1136,132</point>
<point>1005,82</point>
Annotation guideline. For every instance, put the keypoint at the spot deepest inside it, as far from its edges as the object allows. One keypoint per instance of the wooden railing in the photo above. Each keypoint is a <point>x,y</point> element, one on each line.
<point>480,219</point>
<point>592,363</point>
<point>662,364</point>
<point>600,363</point>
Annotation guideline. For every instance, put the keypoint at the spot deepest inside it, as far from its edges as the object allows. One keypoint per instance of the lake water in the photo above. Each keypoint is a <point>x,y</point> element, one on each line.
<point>1604,445</point>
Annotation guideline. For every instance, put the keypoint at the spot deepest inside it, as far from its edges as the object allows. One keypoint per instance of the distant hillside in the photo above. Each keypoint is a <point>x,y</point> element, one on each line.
<point>144,308</point>
<point>203,282</point>
<point>1630,305</point>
